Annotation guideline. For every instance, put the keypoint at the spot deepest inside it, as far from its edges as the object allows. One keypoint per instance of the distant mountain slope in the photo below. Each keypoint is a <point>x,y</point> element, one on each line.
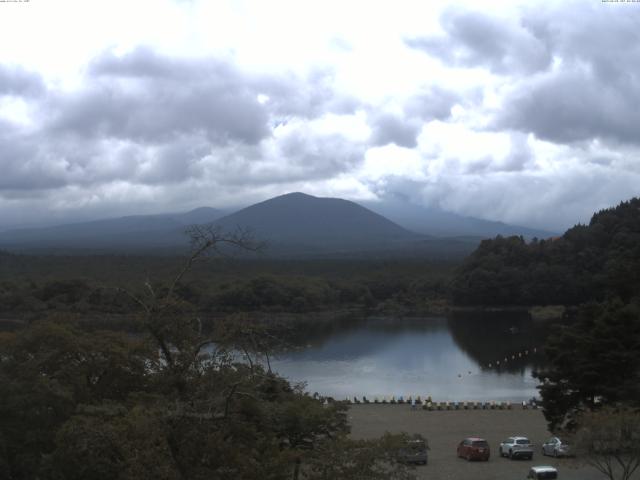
<point>440,223</point>
<point>132,231</point>
<point>293,225</point>
<point>300,219</point>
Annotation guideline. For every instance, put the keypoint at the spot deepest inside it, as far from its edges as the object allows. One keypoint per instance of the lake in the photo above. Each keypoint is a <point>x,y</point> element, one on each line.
<point>450,359</point>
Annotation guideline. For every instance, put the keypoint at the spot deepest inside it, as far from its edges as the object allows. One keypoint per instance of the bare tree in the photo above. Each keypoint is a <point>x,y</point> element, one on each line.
<point>609,441</point>
<point>179,337</point>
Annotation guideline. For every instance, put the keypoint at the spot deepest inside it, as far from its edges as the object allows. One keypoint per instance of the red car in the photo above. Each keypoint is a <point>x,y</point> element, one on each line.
<point>474,448</point>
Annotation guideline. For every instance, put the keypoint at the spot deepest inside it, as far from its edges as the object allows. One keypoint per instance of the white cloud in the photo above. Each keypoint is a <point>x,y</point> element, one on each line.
<point>504,110</point>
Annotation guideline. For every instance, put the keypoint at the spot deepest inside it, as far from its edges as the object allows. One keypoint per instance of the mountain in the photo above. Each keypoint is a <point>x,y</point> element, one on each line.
<point>440,223</point>
<point>305,221</point>
<point>130,232</point>
<point>294,224</point>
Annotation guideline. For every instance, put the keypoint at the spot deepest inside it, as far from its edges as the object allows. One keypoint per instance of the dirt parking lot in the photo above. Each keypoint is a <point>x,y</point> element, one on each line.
<point>445,429</point>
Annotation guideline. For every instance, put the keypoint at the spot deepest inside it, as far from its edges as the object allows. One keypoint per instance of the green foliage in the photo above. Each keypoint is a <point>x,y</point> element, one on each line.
<point>170,403</point>
<point>87,287</point>
<point>594,362</point>
<point>587,263</point>
<point>98,405</point>
<point>50,369</point>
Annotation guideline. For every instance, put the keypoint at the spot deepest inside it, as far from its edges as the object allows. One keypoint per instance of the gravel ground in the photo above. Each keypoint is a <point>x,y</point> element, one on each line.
<point>445,429</point>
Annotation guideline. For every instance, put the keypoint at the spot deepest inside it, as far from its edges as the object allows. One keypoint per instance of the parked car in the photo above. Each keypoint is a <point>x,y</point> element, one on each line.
<point>474,448</point>
<point>414,451</point>
<point>543,472</point>
<point>516,447</point>
<point>556,447</point>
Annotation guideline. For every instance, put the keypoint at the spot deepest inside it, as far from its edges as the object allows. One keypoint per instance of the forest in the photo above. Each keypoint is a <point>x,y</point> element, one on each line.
<point>122,367</point>
<point>588,263</point>
<point>171,401</point>
<point>35,286</point>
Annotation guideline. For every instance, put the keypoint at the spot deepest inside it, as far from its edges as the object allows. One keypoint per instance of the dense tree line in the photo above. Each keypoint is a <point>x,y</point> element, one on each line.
<point>587,263</point>
<point>265,292</point>
<point>591,363</point>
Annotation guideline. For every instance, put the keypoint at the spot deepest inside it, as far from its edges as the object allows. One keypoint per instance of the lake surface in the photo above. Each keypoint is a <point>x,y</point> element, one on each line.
<point>450,359</point>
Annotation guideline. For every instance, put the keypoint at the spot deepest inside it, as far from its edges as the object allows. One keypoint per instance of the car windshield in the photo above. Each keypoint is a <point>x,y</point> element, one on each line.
<point>547,475</point>
<point>417,446</point>
<point>480,443</point>
<point>522,441</point>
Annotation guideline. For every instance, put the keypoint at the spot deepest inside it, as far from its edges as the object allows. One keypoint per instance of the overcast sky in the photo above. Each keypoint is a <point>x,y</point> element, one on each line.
<point>526,112</point>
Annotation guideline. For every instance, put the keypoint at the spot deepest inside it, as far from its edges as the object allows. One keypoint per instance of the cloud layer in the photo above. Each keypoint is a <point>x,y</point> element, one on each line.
<point>517,115</point>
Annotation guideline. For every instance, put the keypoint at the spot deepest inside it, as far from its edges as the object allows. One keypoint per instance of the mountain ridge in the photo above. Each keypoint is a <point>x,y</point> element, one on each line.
<point>441,223</point>
<point>299,217</point>
<point>292,224</point>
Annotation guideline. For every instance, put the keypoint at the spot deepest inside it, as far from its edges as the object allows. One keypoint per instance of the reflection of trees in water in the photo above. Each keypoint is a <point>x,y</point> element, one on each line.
<point>364,335</point>
<point>304,332</point>
<point>484,336</point>
<point>490,336</point>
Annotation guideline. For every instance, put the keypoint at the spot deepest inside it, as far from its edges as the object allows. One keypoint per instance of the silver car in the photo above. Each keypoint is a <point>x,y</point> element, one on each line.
<point>545,472</point>
<point>556,447</point>
<point>516,447</point>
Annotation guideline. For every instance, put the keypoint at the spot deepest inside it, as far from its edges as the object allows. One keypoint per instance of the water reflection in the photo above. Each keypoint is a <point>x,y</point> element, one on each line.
<point>446,358</point>
<point>490,337</point>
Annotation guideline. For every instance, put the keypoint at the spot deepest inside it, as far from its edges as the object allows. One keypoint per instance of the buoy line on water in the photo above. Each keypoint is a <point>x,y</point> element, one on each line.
<point>513,357</point>
<point>425,403</point>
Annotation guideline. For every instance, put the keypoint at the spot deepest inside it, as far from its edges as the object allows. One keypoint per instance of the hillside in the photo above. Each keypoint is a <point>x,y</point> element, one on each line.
<point>303,220</point>
<point>440,223</point>
<point>588,262</point>
<point>130,232</point>
<point>292,225</point>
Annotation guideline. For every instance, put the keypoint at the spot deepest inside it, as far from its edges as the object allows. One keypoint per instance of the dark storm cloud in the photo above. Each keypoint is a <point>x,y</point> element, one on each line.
<point>155,120</point>
<point>595,88</point>
<point>299,155</point>
<point>308,97</point>
<point>20,158</point>
<point>172,162</point>
<point>160,111</point>
<point>177,95</point>
<point>17,81</point>
<point>574,106</point>
<point>571,80</point>
<point>519,159</point>
<point>433,104</point>
<point>145,97</point>
<point>474,39</point>
<point>321,156</point>
<point>388,128</point>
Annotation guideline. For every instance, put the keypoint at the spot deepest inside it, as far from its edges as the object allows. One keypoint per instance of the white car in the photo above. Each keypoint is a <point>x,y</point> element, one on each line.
<point>516,447</point>
<point>543,472</point>
<point>556,447</point>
